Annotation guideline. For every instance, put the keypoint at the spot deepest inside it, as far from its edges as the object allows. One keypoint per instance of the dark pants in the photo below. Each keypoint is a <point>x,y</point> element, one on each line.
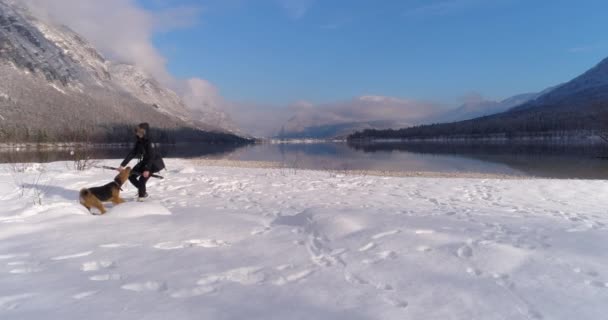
<point>138,179</point>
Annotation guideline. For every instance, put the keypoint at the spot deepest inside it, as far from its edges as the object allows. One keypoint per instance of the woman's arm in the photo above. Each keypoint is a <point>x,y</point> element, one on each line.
<point>132,154</point>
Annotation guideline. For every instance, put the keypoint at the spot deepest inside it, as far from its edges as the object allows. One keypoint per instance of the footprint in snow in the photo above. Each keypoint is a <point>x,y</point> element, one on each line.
<point>84,295</point>
<point>424,231</point>
<point>73,256</point>
<point>424,249</point>
<point>13,302</point>
<point>465,252</point>
<point>294,277</point>
<point>25,270</point>
<point>385,234</point>
<point>354,279</point>
<point>194,292</point>
<point>473,271</point>
<point>398,303</point>
<point>96,265</point>
<point>381,256</point>
<point>118,245</point>
<point>244,276</point>
<point>149,286</point>
<point>204,243</point>
<point>14,256</point>
<point>367,247</point>
<point>106,277</point>
<point>260,231</point>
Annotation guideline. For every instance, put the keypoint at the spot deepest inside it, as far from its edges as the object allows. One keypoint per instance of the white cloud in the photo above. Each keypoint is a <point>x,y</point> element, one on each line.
<point>120,29</point>
<point>267,121</point>
<point>201,94</point>
<point>123,31</point>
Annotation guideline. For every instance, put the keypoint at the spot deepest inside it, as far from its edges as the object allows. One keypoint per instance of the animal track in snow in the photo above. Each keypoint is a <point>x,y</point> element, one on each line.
<point>424,249</point>
<point>14,256</point>
<point>72,256</point>
<point>204,243</point>
<point>149,286</point>
<point>118,245</point>
<point>84,295</point>
<point>244,276</point>
<point>12,302</point>
<point>385,234</point>
<point>106,277</point>
<point>25,270</point>
<point>381,256</point>
<point>194,292</point>
<point>473,271</point>
<point>294,277</point>
<point>96,265</point>
<point>398,303</point>
<point>354,279</point>
<point>367,247</point>
<point>260,231</point>
<point>465,252</point>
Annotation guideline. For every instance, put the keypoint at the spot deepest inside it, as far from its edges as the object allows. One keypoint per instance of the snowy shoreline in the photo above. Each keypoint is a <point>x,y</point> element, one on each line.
<point>219,242</point>
<point>226,163</point>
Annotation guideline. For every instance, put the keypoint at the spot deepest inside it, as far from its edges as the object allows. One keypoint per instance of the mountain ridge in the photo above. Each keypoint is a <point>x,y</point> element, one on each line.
<point>52,74</point>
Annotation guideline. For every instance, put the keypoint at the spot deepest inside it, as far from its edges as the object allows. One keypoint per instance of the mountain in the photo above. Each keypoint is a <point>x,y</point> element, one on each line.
<point>338,130</point>
<point>588,89</point>
<point>57,86</point>
<point>338,120</point>
<point>479,107</point>
<point>575,109</point>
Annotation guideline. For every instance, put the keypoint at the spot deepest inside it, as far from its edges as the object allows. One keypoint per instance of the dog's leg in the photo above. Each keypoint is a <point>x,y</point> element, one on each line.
<point>97,204</point>
<point>116,199</point>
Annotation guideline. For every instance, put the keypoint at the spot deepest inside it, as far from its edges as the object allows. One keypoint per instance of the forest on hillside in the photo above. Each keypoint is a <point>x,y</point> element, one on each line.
<point>537,123</point>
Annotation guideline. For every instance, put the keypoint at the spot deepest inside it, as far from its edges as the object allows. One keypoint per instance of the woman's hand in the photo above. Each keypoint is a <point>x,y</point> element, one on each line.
<point>146,174</point>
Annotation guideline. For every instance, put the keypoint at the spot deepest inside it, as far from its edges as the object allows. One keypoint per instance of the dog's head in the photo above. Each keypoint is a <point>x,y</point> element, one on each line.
<point>123,176</point>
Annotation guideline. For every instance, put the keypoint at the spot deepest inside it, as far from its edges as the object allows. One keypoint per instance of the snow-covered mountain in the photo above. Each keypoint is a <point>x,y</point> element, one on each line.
<point>53,79</point>
<point>575,110</point>
<point>586,90</point>
<point>343,118</point>
<point>480,107</point>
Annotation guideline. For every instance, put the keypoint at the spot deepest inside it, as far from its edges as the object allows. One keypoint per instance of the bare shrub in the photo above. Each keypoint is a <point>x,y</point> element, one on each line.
<point>81,158</point>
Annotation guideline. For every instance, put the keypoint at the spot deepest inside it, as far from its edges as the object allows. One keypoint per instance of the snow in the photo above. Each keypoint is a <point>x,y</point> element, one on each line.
<point>242,243</point>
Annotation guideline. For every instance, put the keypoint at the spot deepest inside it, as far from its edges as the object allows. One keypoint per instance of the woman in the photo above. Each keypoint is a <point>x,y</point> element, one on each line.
<point>149,163</point>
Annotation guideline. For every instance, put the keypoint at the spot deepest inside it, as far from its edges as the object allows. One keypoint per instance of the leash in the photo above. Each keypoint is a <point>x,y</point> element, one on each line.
<point>132,172</point>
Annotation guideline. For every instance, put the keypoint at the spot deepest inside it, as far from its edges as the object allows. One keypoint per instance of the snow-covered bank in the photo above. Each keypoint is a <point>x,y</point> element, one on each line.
<point>242,243</point>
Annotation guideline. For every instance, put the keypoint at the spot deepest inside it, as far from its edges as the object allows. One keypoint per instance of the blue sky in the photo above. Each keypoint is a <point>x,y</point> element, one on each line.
<point>280,51</point>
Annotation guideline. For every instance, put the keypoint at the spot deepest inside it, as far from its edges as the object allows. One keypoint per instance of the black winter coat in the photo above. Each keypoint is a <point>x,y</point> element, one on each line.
<point>149,158</point>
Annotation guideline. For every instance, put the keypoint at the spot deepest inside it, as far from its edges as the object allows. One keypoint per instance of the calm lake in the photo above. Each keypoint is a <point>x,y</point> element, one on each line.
<point>551,161</point>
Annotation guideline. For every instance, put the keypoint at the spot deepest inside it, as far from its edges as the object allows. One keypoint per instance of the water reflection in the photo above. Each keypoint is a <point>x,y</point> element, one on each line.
<point>551,161</point>
<point>541,160</point>
<point>68,154</point>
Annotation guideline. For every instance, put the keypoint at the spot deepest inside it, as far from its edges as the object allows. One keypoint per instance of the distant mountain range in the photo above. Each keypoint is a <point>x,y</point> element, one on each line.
<point>56,86</point>
<point>318,123</point>
<point>578,108</point>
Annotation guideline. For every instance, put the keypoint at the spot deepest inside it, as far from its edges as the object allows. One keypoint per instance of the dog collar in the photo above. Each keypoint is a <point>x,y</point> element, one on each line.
<point>118,185</point>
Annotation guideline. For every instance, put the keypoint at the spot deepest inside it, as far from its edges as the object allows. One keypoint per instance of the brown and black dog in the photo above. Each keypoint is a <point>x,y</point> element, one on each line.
<point>93,197</point>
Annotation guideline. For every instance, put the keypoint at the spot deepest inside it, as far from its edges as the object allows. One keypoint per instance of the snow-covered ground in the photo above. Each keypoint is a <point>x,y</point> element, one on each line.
<point>236,243</point>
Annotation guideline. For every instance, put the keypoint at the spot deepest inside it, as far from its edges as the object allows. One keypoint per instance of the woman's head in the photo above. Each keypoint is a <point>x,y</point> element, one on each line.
<point>142,129</point>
